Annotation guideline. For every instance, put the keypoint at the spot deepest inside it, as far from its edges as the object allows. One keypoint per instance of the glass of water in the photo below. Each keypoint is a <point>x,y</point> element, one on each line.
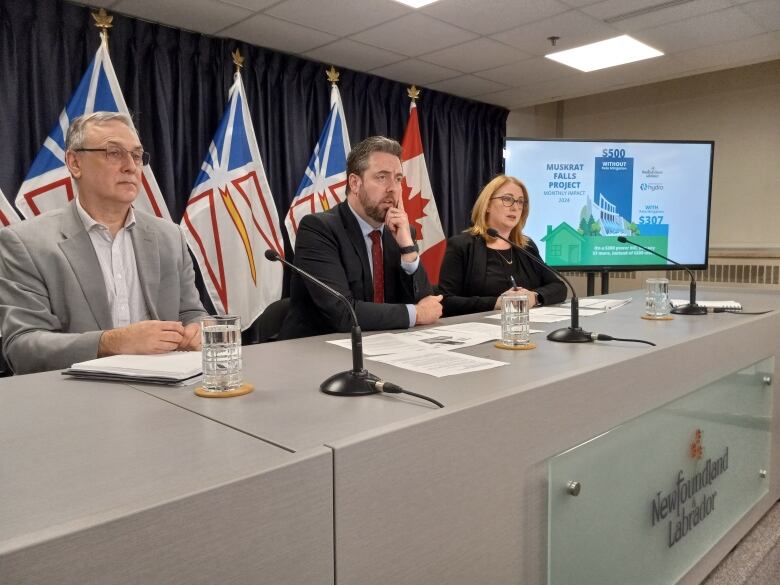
<point>515,329</point>
<point>221,353</point>
<point>657,297</point>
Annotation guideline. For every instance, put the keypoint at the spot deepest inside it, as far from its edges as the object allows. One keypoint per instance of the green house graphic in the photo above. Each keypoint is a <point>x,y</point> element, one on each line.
<point>563,245</point>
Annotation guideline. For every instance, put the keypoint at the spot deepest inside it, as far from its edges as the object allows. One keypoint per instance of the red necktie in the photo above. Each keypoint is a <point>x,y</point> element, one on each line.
<point>379,266</point>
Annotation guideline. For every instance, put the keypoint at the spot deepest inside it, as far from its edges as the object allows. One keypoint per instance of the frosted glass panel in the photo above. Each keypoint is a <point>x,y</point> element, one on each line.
<point>657,492</point>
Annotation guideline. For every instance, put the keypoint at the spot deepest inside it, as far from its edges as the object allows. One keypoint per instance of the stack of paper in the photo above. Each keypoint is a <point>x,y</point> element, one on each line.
<point>167,368</point>
<point>428,351</point>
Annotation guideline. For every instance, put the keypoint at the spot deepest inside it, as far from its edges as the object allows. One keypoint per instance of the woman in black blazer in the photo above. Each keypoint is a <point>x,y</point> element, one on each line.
<point>478,269</point>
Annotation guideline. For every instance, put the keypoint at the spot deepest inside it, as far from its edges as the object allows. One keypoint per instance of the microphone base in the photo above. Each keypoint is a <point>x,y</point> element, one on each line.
<point>350,383</point>
<point>570,335</point>
<point>690,310</point>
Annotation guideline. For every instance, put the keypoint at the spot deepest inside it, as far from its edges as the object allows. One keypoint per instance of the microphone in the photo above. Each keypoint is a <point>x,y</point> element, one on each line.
<point>357,381</point>
<point>691,308</point>
<point>573,333</point>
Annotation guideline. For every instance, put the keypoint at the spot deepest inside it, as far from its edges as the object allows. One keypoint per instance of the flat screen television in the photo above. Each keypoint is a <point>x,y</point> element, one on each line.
<point>584,194</point>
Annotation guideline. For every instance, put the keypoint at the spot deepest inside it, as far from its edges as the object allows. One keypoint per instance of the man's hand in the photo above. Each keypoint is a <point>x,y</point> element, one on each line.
<point>191,338</point>
<point>428,310</point>
<point>397,222</point>
<point>144,337</point>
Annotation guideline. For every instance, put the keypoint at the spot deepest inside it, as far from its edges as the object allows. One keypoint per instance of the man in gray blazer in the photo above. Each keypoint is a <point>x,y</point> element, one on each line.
<point>96,277</point>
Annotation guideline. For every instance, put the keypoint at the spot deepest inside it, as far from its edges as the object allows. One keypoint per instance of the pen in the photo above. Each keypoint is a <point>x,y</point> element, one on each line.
<point>512,280</point>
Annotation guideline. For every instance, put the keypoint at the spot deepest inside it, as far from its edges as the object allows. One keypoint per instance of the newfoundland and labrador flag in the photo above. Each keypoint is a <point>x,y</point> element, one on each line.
<point>325,179</point>
<point>7,213</point>
<point>418,200</point>
<point>48,184</point>
<point>231,220</point>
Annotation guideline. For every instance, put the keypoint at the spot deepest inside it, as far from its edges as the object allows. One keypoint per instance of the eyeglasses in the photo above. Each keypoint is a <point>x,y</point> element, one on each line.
<point>509,201</point>
<point>116,154</point>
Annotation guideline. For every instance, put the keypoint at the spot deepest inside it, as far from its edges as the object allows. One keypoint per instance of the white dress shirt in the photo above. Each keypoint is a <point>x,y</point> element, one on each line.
<point>116,257</point>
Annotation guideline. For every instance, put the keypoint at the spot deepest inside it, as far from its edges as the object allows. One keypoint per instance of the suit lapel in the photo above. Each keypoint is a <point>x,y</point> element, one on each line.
<point>352,228</point>
<point>147,259</point>
<point>77,248</point>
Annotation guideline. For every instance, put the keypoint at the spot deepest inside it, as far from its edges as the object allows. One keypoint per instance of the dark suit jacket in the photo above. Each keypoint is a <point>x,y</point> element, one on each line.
<point>463,273</point>
<point>330,246</point>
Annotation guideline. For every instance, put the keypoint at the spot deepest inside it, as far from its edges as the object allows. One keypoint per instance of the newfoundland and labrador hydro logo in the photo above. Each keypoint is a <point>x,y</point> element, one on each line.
<point>691,499</point>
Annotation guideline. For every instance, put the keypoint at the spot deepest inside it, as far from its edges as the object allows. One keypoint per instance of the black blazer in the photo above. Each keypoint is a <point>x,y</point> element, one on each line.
<point>330,246</point>
<point>463,272</point>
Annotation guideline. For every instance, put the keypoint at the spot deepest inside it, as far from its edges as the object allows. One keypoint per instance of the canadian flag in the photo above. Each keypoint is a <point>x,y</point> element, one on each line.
<point>418,200</point>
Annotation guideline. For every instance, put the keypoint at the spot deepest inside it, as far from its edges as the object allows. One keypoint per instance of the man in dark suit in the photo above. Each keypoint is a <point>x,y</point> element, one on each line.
<point>364,249</point>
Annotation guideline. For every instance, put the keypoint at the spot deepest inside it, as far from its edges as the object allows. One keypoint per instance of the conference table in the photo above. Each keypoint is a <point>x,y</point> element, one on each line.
<point>286,484</point>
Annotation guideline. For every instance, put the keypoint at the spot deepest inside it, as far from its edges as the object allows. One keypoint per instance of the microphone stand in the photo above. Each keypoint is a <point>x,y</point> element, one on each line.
<point>355,382</point>
<point>691,308</point>
<point>573,333</point>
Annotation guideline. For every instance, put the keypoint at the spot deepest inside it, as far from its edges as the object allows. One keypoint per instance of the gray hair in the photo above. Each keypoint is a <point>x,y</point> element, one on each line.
<point>357,161</point>
<point>77,131</point>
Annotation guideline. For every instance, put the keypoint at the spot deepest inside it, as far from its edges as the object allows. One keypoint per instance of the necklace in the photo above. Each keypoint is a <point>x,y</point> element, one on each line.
<point>500,255</point>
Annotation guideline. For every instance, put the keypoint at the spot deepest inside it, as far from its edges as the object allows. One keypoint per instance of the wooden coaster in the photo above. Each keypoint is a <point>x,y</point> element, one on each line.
<point>658,318</point>
<point>240,391</point>
<point>528,345</point>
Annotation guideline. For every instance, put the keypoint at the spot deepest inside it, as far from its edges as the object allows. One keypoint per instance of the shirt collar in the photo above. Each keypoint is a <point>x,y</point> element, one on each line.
<point>90,223</point>
<point>365,227</point>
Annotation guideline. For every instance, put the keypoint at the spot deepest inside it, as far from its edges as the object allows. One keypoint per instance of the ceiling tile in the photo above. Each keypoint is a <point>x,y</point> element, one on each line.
<point>354,55</point>
<point>490,16</point>
<point>529,72</point>
<point>573,28</point>
<point>700,31</point>
<point>338,17</point>
<point>253,5</point>
<point>766,12</point>
<point>204,16</point>
<point>475,55</point>
<point>467,86</point>
<point>273,33</point>
<point>612,8</point>
<point>414,71</point>
<point>670,14</point>
<point>639,72</point>
<point>580,3</point>
<point>414,35</point>
<point>759,48</point>
<point>103,3</point>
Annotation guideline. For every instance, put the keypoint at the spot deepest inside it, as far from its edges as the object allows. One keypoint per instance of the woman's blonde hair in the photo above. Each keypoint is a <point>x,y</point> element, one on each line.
<point>479,224</point>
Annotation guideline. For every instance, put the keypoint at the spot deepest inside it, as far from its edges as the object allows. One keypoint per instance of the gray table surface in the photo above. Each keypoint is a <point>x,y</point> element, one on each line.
<point>287,408</point>
<point>101,481</point>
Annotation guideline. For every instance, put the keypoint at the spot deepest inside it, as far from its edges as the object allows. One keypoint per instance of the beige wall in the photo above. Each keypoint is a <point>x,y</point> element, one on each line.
<point>737,108</point>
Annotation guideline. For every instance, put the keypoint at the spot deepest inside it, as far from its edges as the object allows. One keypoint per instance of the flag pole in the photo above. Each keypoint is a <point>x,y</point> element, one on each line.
<point>333,75</point>
<point>103,21</point>
<point>238,60</point>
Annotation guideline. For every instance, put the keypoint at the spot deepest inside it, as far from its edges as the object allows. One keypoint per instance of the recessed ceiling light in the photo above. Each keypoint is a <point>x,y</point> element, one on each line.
<point>417,3</point>
<point>609,53</point>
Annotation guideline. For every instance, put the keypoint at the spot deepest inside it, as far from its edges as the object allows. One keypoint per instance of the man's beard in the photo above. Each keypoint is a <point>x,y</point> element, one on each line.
<point>373,211</point>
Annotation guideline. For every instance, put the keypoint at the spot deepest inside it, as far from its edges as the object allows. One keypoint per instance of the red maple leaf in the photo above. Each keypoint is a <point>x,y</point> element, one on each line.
<point>414,206</point>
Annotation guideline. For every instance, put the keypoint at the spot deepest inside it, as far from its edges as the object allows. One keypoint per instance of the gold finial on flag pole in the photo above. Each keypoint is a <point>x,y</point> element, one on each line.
<point>413,92</point>
<point>238,60</point>
<point>333,75</point>
<point>103,21</point>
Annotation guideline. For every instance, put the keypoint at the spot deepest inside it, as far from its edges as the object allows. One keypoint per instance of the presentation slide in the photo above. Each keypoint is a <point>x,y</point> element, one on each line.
<point>584,194</point>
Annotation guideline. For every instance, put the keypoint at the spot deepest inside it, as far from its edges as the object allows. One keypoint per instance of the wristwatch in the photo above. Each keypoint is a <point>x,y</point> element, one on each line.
<point>409,249</point>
